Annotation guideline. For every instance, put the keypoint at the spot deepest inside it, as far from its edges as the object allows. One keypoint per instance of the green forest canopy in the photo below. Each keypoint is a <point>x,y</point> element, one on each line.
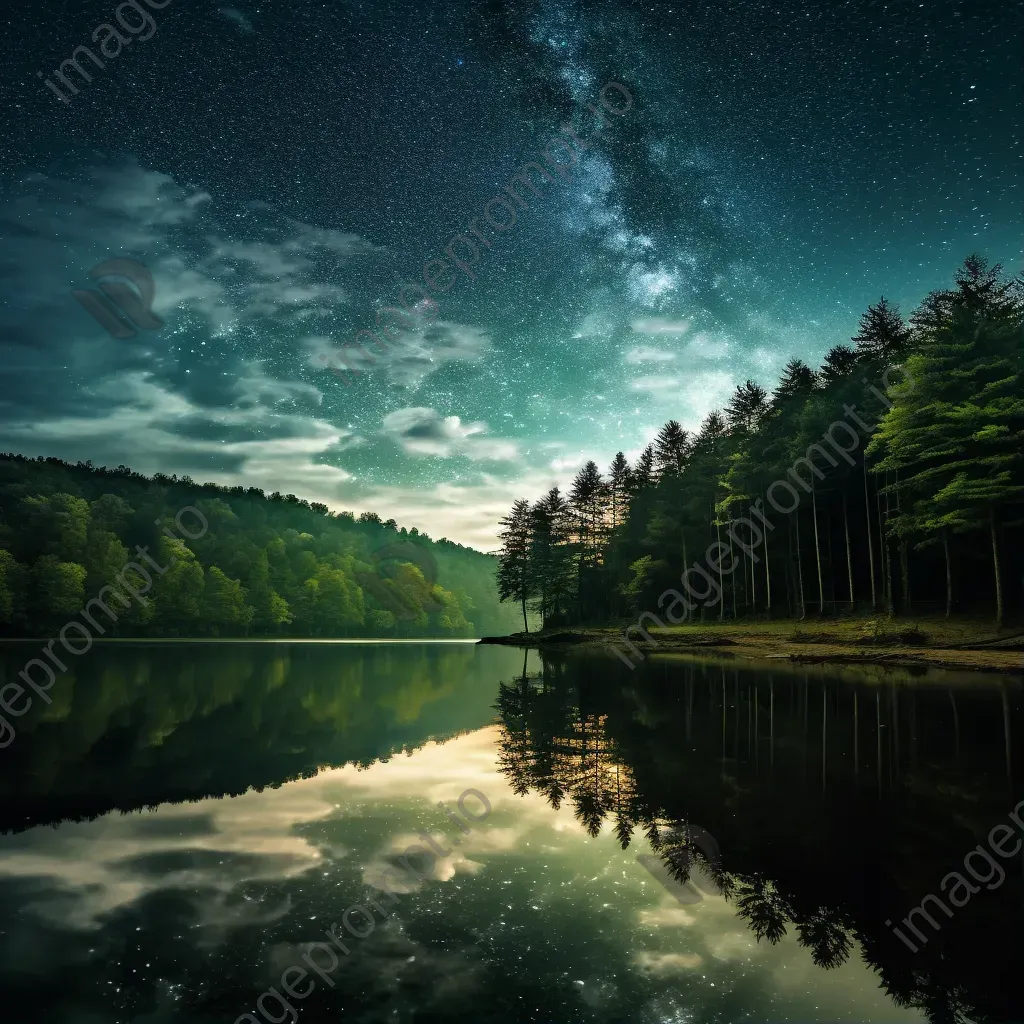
<point>265,566</point>
<point>931,501</point>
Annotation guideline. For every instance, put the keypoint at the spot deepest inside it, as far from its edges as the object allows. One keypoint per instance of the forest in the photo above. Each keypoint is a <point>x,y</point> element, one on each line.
<point>924,517</point>
<point>265,565</point>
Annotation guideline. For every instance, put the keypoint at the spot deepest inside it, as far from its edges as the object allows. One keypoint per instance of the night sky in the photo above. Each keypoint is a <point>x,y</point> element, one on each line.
<point>283,168</point>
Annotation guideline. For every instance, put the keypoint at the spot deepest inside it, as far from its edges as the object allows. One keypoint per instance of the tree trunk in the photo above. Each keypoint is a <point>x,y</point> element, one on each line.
<point>790,588</point>
<point>753,582</point>
<point>733,581</point>
<point>721,578</point>
<point>686,563</point>
<point>905,577</point>
<point>767,575</point>
<point>526,625</point>
<point>746,581</point>
<point>682,541</point>
<point>904,556</point>
<point>871,544</point>
<point>949,574</point>
<point>883,546</point>
<point>817,550</point>
<point>996,566</point>
<point>579,583</point>
<point>800,568</point>
<point>849,551</point>
<point>831,562</point>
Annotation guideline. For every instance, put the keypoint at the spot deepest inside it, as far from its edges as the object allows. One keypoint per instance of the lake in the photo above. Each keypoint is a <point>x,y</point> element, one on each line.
<point>397,832</point>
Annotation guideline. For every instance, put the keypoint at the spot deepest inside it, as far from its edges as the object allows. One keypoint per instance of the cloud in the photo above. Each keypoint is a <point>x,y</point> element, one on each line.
<point>660,325</point>
<point>229,865</point>
<point>222,390</point>
<point>253,443</point>
<point>655,384</point>
<point>409,358</point>
<point>648,355</point>
<point>666,964</point>
<point>237,18</point>
<point>209,284</point>
<point>708,346</point>
<point>423,431</point>
<point>233,388</point>
<point>143,197</point>
<point>467,512</point>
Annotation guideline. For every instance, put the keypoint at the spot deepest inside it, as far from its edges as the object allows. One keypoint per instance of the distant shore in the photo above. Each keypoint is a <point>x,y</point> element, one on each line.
<point>256,640</point>
<point>930,643</point>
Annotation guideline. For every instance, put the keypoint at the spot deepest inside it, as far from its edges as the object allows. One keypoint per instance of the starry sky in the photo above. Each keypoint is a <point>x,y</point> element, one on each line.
<point>282,169</point>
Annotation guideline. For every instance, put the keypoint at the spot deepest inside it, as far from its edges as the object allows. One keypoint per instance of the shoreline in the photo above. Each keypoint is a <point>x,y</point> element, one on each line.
<point>253,640</point>
<point>922,643</point>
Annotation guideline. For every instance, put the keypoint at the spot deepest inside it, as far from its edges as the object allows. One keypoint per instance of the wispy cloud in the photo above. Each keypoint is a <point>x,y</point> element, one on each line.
<point>423,431</point>
<point>644,354</point>
<point>655,384</point>
<point>660,325</point>
<point>238,18</point>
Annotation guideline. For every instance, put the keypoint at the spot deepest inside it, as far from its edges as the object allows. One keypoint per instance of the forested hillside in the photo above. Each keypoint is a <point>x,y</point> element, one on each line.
<point>262,565</point>
<point>890,478</point>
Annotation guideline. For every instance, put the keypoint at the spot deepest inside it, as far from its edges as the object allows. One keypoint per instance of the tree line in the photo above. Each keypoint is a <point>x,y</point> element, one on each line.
<point>266,565</point>
<point>926,517</point>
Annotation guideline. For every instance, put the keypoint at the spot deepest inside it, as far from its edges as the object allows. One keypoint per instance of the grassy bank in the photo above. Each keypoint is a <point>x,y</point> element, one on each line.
<point>936,642</point>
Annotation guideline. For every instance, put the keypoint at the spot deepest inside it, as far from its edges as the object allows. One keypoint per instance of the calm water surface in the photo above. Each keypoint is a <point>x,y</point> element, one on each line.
<point>689,842</point>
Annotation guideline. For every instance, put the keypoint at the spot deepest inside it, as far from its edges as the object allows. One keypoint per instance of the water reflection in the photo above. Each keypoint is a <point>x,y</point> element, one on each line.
<point>139,725</point>
<point>838,801</point>
<point>564,905</point>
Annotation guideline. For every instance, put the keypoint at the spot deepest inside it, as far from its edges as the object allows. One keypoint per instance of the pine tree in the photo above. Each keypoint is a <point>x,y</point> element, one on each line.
<point>620,484</point>
<point>883,336</point>
<point>797,381</point>
<point>671,450</point>
<point>551,554</point>
<point>513,575</point>
<point>955,431</point>
<point>587,498</point>
<point>840,364</point>
<point>946,449</point>
<point>746,408</point>
<point>643,472</point>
